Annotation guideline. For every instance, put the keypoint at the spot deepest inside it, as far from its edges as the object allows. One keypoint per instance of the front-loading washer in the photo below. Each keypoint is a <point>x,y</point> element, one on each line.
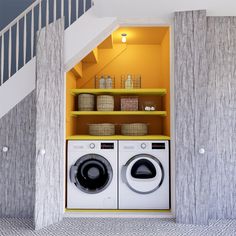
<point>144,175</point>
<point>92,174</point>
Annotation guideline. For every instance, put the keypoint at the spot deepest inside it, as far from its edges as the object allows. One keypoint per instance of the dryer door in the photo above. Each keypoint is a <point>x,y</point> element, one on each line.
<point>143,173</point>
<point>91,173</point>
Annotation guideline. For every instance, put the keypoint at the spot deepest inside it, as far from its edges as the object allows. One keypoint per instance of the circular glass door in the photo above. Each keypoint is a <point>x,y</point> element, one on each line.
<point>92,173</point>
<point>143,173</point>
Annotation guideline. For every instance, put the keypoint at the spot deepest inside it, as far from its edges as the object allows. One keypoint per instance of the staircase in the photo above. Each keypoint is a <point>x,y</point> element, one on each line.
<point>83,31</point>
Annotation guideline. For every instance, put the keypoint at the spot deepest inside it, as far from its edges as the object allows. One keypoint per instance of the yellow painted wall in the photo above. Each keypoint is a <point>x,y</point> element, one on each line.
<point>126,59</point>
<point>165,74</point>
<point>70,104</point>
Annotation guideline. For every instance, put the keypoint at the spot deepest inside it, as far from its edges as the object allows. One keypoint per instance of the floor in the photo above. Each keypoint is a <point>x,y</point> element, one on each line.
<point>116,226</point>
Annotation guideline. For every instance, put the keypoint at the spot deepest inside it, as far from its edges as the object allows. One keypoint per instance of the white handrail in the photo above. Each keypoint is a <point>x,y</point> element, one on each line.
<point>25,12</point>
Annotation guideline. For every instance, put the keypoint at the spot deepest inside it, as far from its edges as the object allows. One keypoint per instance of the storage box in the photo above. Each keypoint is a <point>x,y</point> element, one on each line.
<point>129,104</point>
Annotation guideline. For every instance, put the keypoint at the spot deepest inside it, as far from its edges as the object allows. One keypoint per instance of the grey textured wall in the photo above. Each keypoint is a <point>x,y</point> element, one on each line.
<point>192,187</point>
<point>31,185</point>
<point>221,55</point>
<point>17,166</point>
<point>205,88</point>
<point>50,125</point>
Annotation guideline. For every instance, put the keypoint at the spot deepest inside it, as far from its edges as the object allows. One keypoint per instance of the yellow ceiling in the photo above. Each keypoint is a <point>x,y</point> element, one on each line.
<point>141,35</point>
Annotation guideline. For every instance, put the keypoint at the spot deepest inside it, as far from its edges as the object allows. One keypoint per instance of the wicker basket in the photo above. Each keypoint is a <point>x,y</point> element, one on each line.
<point>104,129</point>
<point>129,103</point>
<point>86,102</point>
<point>105,103</point>
<point>134,129</point>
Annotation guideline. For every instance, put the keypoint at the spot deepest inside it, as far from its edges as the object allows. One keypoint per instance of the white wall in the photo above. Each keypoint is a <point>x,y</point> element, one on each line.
<point>162,9</point>
<point>17,87</point>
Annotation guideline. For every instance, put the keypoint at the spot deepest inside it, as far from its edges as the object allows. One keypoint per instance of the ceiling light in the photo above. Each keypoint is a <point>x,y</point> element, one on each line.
<point>123,38</point>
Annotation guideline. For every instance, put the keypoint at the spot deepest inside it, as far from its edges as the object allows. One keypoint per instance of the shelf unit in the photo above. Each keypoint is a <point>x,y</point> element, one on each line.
<point>118,92</point>
<point>118,113</point>
<point>160,92</point>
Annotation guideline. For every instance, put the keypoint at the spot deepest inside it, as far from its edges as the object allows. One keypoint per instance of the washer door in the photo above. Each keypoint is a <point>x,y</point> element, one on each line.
<point>143,173</point>
<point>91,173</point>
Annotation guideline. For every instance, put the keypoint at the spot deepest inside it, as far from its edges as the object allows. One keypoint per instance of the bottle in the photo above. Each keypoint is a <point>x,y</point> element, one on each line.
<point>128,82</point>
<point>102,83</point>
<point>109,82</point>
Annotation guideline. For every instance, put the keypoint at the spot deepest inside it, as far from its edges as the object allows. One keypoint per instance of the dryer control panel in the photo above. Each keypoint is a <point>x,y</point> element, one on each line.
<point>107,145</point>
<point>158,146</point>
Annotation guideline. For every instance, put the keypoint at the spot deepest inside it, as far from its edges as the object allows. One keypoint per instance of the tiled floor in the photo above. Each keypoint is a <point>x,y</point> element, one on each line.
<point>114,226</point>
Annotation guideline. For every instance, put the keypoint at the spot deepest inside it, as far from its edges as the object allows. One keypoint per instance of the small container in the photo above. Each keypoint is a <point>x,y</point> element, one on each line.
<point>149,106</point>
<point>86,102</point>
<point>104,129</point>
<point>102,83</point>
<point>129,82</point>
<point>105,103</point>
<point>129,103</point>
<point>109,82</point>
<point>134,129</point>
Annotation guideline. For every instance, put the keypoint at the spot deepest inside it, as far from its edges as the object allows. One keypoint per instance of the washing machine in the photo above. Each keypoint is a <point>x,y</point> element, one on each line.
<point>92,174</point>
<point>144,175</point>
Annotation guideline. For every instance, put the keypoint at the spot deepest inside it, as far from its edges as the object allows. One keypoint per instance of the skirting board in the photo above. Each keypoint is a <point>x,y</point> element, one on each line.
<point>94,214</point>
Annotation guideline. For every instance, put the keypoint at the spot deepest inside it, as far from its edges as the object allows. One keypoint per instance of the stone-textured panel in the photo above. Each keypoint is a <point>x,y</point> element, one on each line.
<point>221,55</point>
<point>17,166</point>
<point>49,125</point>
<point>190,75</point>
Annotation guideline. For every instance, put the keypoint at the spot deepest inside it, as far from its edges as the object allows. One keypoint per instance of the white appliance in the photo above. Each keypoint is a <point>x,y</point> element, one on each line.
<point>144,175</point>
<point>92,175</point>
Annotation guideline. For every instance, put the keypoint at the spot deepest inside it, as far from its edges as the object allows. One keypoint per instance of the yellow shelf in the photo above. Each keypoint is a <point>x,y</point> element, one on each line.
<point>158,91</point>
<point>118,113</point>
<point>118,137</point>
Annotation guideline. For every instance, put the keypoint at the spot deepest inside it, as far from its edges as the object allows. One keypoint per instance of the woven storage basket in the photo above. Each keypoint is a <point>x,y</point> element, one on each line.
<point>86,102</point>
<point>104,129</point>
<point>105,103</point>
<point>134,129</point>
<point>129,104</point>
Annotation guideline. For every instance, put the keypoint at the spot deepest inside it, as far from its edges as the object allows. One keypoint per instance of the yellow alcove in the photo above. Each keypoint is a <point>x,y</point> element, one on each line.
<point>146,52</point>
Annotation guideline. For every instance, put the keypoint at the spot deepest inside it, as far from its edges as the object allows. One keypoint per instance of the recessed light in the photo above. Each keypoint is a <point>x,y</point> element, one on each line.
<point>123,38</point>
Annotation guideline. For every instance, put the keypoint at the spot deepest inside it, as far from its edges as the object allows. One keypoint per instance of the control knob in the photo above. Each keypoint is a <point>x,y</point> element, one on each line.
<point>92,145</point>
<point>143,145</point>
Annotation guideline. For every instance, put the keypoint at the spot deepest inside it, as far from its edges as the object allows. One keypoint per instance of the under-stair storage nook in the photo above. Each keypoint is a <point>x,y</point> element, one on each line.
<point>145,53</point>
<point>134,77</point>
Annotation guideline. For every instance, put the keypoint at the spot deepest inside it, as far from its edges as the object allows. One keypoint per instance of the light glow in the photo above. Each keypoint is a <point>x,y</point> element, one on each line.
<point>123,38</point>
